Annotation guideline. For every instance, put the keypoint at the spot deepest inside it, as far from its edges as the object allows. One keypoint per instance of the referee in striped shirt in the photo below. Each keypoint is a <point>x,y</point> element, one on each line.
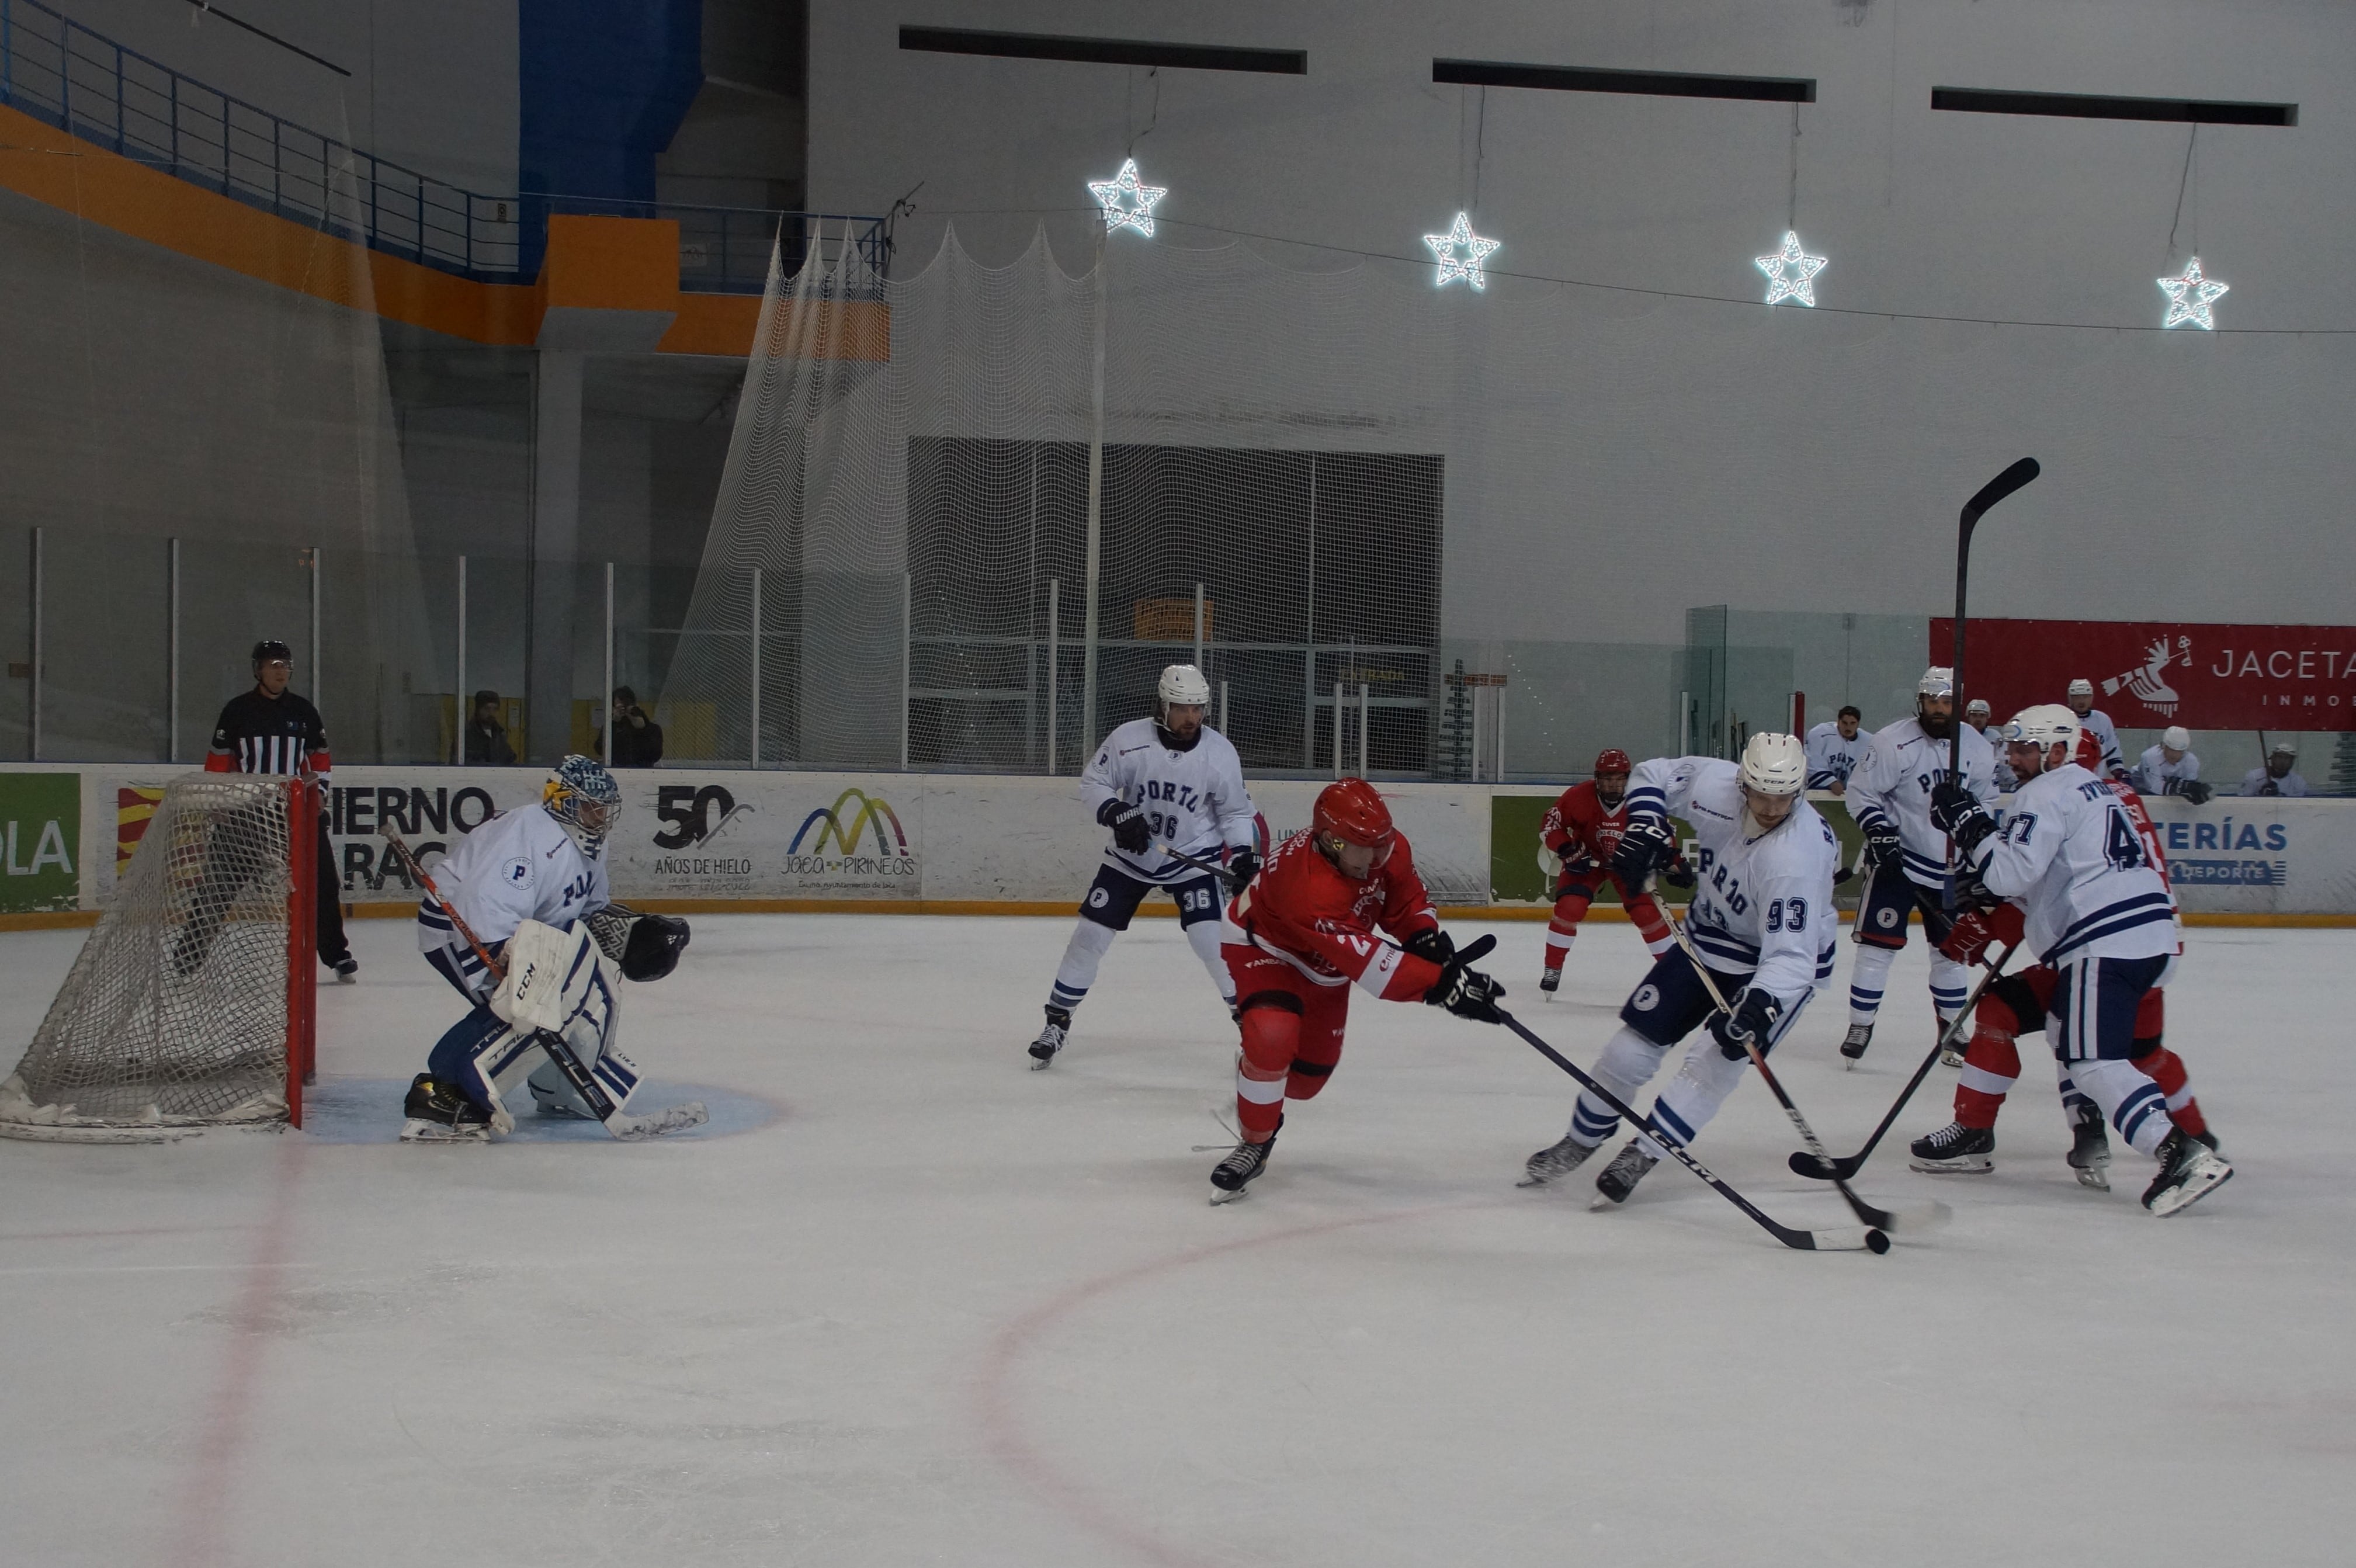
<point>272,730</point>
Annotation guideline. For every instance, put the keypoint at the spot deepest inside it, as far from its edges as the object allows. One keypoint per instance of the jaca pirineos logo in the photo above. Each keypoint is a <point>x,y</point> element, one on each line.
<point>854,816</point>
<point>2146,683</point>
<point>697,817</point>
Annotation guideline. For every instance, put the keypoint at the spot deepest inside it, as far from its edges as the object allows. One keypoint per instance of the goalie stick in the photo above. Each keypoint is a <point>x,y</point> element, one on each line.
<point>1820,1166</point>
<point>619,1122</point>
<point>1909,1219</point>
<point>1842,1239</point>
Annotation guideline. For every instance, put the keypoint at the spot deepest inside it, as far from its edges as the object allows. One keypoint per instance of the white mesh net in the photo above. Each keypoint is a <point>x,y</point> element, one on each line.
<point>174,1014</point>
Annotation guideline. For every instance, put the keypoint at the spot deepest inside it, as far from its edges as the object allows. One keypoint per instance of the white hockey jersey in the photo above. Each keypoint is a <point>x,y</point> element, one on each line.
<point>1999,769</point>
<point>2153,774</point>
<point>1761,907</point>
<point>1831,758</point>
<point>1894,786</point>
<point>520,865</point>
<point>2070,854</point>
<point>2106,735</point>
<point>1193,800</point>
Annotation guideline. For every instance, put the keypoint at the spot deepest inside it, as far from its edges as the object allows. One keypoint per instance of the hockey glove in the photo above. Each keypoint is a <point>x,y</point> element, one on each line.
<point>1434,945</point>
<point>1645,844</point>
<point>1754,1015</point>
<point>1242,866</point>
<point>2196,791</point>
<point>1128,825</point>
<point>1465,991</point>
<point>1678,872</point>
<point>1957,812</point>
<point>1976,931</point>
<point>1880,840</point>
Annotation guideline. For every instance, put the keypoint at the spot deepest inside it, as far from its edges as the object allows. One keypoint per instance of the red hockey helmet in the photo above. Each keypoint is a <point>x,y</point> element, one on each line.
<point>1353,811</point>
<point>1611,760</point>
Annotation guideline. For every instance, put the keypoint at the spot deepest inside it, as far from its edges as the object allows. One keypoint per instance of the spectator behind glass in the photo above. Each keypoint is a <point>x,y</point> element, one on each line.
<point>637,739</point>
<point>486,738</point>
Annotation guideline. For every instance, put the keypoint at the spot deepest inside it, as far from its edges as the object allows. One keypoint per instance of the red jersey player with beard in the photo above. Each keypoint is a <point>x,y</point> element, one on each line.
<point>1303,932</point>
<point>1576,842</point>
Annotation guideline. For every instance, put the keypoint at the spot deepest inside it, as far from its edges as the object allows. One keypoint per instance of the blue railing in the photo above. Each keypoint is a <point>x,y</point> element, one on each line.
<point>60,72</point>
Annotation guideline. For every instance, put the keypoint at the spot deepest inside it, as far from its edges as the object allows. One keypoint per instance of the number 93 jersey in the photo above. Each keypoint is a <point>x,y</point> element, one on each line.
<point>1193,800</point>
<point>1762,906</point>
<point>2069,855</point>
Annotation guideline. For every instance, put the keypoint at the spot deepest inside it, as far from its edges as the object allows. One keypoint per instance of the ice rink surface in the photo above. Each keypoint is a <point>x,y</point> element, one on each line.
<point>906,1302</point>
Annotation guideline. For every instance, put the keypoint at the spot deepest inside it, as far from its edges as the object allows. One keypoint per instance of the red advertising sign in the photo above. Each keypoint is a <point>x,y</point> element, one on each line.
<point>2151,674</point>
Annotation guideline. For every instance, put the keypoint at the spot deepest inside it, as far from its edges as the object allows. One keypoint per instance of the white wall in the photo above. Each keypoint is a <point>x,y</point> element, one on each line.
<point>1717,453</point>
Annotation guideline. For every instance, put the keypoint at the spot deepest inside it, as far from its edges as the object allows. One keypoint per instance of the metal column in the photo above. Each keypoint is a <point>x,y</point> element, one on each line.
<point>606,693</point>
<point>172,663</point>
<point>756,669</point>
<point>465,708</point>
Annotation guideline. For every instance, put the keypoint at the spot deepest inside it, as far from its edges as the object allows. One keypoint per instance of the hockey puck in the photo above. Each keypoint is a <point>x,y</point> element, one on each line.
<point>1875,1242</point>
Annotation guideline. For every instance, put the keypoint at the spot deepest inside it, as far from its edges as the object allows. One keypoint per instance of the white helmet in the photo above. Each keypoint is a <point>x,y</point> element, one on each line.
<point>2284,745</point>
<point>1182,685</point>
<point>1937,682</point>
<point>1979,706</point>
<point>2045,725</point>
<point>1775,764</point>
<point>2176,737</point>
<point>2082,687</point>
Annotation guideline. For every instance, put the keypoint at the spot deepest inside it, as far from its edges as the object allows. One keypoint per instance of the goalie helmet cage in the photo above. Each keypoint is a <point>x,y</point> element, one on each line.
<point>193,1003</point>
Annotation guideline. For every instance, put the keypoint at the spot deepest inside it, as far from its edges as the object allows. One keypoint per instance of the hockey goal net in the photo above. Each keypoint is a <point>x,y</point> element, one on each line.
<point>192,1003</point>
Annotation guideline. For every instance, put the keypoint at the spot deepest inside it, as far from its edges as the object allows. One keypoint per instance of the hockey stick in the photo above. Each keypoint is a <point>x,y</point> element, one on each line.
<point>1995,490</point>
<point>619,1122</point>
<point>1844,1239</point>
<point>1818,1168</point>
<point>1881,1218</point>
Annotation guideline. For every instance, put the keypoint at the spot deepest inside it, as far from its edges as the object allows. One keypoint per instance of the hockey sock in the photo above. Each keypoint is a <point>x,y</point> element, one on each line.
<point>1270,1034</point>
<point>1682,1110</point>
<point>1563,929</point>
<point>2165,1069</point>
<point>1951,985</point>
<point>1651,924</point>
<point>2134,1103</point>
<point>1869,977</point>
<point>1086,949</point>
<point>1991,1065</point>
<point>1628,1063</point>
<point>2076,1104</point>
<point>1202,936</point>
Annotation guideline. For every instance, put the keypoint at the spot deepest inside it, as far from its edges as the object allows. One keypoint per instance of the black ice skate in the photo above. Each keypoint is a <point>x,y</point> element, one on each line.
<point>1248,1160</point>
<point>1549,982</point>
<point>1051,1039</point>
<point>2188,1172</point>
<point>1626,1169</point>
<point>1555,1160</point>
<point>439,1113</point>
<point>2090,1154</point>
<point>348,969</point>
<point>1955,1150</point>
<point>1859,1036</point>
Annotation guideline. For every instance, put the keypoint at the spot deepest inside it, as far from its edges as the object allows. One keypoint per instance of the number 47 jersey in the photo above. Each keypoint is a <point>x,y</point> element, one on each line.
<point>2069,855</point>
<point>1763,903</point>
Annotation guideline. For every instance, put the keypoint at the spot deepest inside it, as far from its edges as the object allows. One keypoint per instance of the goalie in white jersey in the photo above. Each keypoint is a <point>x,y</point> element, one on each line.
<point>1889,796</point>
<point>1762,921</point>
<point>2099,913</point>
<point>1169,782</point>
<point>531,886</point>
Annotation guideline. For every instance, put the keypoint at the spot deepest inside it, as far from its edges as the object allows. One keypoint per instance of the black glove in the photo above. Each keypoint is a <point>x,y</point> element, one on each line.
<point>1881,840</point>
<point>656,941</point>
<point>1678,872</point>
<point>1957,812</point>
<point>1972,895</point>
<point>1465,991</point>
<point>1242,866</point>
<point>1128,825</point>
<point>1754,1015</point>
<point>2196,791</point>
<point>1645,844</point>
<point>1434,945</point>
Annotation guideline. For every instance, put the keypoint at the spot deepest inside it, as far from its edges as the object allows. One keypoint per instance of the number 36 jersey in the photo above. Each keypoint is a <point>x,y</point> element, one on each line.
<point>1763,904</point>
<point>1193,799</point>
<point>2071,856</point>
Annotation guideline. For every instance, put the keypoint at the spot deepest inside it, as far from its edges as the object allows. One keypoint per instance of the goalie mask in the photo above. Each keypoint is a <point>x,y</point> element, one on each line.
<point>584,797</point>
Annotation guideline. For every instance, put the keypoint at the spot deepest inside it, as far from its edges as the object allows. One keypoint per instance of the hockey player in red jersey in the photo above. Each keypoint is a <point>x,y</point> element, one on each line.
<point>2019,1004</point>
<point>1576,842</point>
<point>1310,926</point>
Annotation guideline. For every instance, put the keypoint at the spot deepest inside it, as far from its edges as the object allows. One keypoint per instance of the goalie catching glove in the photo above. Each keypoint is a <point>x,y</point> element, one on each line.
<point>1753,1014</point>
<point>645,947</point>
<point>1462,988</point>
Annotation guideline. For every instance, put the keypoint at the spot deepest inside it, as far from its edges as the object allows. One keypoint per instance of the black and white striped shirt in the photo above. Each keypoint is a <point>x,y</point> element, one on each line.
<point>258,734</point>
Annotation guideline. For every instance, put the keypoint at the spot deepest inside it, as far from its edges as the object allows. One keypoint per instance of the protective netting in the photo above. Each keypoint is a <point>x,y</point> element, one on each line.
<point>175,1013</point>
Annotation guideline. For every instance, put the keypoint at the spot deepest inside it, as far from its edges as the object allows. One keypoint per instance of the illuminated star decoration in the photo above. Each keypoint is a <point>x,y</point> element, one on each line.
<point>1790,273</point>
<point>2189,296</point>
<point>1460,237</point>
<point>1126,203</point>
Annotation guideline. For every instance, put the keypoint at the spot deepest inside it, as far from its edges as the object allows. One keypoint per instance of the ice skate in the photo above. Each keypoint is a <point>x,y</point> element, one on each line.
<point>1952,1053</point>
<point>1955,1150</point>
<point>1051,1039</point>
<point>1231,1174</point>
<point>1549,982</point>
<point>438,1113</point>
<point>1555,1160</point>
<point>1859,1036</point>
<point>2188,1172</point>
<point>1621,1177</point>
<point>348,969</point>
<point>2207,1139</point>
<point>2090,1156</point>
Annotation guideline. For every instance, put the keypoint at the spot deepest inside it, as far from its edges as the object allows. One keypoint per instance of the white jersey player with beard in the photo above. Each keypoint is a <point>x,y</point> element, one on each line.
<point>1159,784</point>
<point>1762,921</point>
